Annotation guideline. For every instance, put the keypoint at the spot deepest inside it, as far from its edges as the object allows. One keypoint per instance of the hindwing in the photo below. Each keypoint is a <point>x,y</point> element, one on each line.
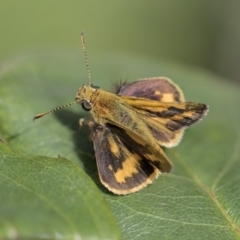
<point>124,165</point>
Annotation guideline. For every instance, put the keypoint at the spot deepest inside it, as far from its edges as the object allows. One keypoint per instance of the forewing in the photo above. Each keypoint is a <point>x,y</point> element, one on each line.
<point>156,88</point>
<point>124,165</point>
<point>180,115</point>
<point>167,121</point>
<point>159,89</point>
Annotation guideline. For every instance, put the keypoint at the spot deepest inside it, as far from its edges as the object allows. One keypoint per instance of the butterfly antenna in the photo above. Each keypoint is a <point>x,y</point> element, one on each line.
<point>53,110</point>
<point>86,58</point>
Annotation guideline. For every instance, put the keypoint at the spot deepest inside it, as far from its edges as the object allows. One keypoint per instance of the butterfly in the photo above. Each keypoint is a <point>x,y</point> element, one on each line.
<point>129,127</point>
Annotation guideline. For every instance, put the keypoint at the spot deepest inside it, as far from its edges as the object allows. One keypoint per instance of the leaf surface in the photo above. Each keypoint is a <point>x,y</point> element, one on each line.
<point>199,199</point>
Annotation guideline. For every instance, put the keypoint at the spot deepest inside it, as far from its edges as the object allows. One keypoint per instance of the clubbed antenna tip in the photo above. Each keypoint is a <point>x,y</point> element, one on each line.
<point>39,116</point>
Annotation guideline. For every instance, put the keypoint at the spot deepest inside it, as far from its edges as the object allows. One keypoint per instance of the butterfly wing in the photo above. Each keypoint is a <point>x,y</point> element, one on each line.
<point>167,121</point>
<point>156,88</point>
<point>168,115</point>
<point>124,165</point>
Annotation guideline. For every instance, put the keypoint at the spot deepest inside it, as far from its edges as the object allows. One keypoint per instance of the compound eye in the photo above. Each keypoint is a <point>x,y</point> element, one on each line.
<point>87,106</point>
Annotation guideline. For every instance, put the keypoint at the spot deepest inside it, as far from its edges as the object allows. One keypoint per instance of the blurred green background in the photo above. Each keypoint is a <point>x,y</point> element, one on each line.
<point>200,33</point>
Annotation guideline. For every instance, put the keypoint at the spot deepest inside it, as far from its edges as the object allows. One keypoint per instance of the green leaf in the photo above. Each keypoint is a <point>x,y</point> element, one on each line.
<point>199,199</point>
<point>49,198</point>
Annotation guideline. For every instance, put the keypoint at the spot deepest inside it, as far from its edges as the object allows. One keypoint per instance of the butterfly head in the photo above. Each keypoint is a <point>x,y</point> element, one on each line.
<point>84,95</point>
